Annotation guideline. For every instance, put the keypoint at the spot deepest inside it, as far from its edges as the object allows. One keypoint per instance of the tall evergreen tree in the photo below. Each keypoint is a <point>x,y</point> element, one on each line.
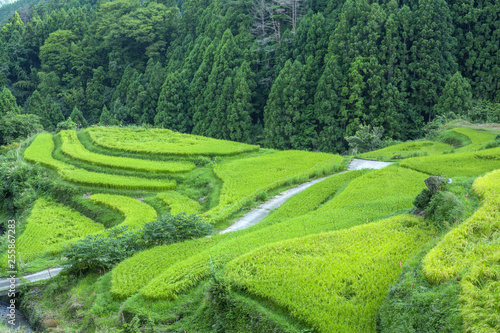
<point>37,106</point>
<point>172,107</point>
<point>77,116</point>
<point>8,102</point>
<point>283,116</point>
<point>456,96</point>
<point>54,112</point>
<point>95,94</point>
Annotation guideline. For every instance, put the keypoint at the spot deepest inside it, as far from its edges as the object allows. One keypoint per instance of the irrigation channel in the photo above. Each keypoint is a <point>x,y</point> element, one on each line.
<point>249,219</point>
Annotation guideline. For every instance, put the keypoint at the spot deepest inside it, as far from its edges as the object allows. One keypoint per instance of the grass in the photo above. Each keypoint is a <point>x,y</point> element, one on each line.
<point>478,138</point>
<point>315,195</point>
<point>469,242</point>
<point>40,151</point>
<point>247,179</point>
<point>164,141</point>
<point>458,164</point>
<point>73,148</point>
<point>136,212</point>
<point>49,226</point>
<point>454,138</point>
<point>406,150</point>
<point>179,203</point>
<point>189,272</point>
<point>333,281</point>
<point>131,275</point>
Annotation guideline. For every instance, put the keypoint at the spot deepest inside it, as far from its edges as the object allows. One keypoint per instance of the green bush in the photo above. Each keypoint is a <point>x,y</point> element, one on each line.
<point>422,200</point>
<point>444,209</point>
<point>168,229</point>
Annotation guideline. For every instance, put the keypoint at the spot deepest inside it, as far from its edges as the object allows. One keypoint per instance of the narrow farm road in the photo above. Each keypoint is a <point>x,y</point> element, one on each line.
<point>258,213</point>
<point>38,276</point>
<point>249,219</point>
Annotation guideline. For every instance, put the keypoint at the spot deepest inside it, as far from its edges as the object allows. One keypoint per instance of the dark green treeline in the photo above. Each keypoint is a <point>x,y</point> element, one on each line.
<point>282,73</point>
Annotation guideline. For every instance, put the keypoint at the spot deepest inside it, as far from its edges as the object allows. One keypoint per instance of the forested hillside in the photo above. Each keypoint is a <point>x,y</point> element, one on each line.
<point>282,73</point>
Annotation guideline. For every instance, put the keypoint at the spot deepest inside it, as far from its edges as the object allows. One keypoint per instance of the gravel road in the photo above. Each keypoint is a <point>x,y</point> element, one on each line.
<point>43,275</point>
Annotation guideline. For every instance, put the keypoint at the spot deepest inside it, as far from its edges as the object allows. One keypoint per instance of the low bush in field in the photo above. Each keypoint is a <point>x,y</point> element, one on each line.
<point>179,203</point>
<point>103,251</point>
<point>406,150</point>
<point>313,196</point>
<point>73,148</point>
<point>333,281</point>
<point>136,212</point>
<point>50,225</point>
<point>465,244</point>
<point>458,164</point>
<point>40,151</point>
<point>245,179</point>
<point>164,141</point>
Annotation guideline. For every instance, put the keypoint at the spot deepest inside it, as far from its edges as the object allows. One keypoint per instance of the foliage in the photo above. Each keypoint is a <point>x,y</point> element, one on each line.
<point>454,138</point>
<point>444,209</point>
<point>359,264</point>
<point>170,228</point>
<point>40,151</point>
<point>50,227</point>
<point>103,251</point>
<point>72,147</point>
<point>179,203</point>
<point>136,212</point>
<point>15,127</point>
<point>366,139</point>
<point>163,141</point>
<point>456,96</point>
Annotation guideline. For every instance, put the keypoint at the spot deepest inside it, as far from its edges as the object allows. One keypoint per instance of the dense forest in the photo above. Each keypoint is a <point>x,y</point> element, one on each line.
<point>286,74</point>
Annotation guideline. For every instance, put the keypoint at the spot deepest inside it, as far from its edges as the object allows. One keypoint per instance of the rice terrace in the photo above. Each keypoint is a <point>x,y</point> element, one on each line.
<point>134,215</point>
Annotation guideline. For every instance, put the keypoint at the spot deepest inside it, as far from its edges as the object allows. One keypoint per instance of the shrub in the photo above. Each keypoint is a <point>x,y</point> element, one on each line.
<point>444,209</point>
<point>170,228</point>
<point>366,139</point>
<point>422,200</point>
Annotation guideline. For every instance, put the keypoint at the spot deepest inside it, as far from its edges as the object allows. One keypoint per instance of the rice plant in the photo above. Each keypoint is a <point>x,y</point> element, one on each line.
<point>179,203</point>
<point>40,151</point>
<point>333,281</point>
<point>136,212</point>
<point>73,148</point>
<point>164,141</point>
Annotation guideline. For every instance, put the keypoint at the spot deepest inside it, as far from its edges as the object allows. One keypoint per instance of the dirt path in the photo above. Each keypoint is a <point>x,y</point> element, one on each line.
<point>261,211</point>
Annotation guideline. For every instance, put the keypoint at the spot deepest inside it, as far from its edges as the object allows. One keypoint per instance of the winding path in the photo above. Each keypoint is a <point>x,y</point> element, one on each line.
<point>258,213</point>
<point>249,219</point>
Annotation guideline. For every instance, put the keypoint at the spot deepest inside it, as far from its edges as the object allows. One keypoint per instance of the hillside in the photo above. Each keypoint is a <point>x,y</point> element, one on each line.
<point>281,74</point>
<point>343,255</point>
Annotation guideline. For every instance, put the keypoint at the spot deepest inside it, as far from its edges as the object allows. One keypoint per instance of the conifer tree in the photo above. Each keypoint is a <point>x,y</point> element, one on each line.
<point>95,94</point>
<point>54,111</point>
<point>456,96</point>
<point>155,76</point>
<point>283,118</point>
<point>107,118</point>
<point>171,112</point>
<point>240,109</point>
<point>8,102</point>
<point>77,116</point>
<point>37,106</point>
